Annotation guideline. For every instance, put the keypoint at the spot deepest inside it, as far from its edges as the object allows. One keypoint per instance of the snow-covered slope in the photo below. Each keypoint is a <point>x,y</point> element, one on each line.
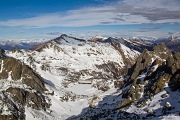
<point>151,91</point>
<point>86,79</point>
<point>67,62</point>
<point>20,87</point>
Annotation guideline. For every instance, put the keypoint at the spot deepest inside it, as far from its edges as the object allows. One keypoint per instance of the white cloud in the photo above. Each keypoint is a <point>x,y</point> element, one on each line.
<point>172,5</point>
<point>124,12</point>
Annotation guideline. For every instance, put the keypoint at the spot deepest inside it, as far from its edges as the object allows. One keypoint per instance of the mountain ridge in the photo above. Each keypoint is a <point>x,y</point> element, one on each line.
<point>94,79</point>
<point>150,92</point>
<point>20,87</point>
<point>65,62</point>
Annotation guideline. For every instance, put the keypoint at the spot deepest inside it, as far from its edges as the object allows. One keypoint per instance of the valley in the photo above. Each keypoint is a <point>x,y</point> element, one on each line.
<point>72,78</point>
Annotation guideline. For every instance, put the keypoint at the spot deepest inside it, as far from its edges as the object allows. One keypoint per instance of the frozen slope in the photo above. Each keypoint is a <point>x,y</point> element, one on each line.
<point>151,91</point>
<point>65,62</point>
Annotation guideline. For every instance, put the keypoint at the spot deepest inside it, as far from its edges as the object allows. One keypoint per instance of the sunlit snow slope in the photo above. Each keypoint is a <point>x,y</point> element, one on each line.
<point>67,62</point>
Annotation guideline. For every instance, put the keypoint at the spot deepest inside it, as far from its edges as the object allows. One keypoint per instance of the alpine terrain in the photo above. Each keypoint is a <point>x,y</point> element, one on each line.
<point>98,78</point>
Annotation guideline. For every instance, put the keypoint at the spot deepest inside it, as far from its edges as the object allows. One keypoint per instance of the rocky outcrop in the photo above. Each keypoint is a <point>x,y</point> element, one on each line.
<point>135,44</point>
<point>112,68</point>
<point>175,81</point>
<point>21,87</point>
<point>36,100</point>
<point>147,58</point>
<point>162,51</point>
<point>48,45</point>
<point>160,83</point>
<point>127,60</point>
<point>143,61</point>
<point>152,71</point>
<point>15,70</point>
<point>15,99</point>
<point>2,56</point>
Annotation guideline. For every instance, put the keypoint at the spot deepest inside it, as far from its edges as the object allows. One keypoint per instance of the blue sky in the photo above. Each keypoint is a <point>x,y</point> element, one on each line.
<point>28,19</point>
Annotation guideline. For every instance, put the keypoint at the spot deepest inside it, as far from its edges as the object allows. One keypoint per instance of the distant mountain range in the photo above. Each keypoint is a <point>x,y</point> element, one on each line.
<point>20,44</point>
<point>171,42</point>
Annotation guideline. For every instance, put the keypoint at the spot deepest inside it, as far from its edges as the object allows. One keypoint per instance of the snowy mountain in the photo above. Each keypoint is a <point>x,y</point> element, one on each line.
<point>98,78</point>
<point>21,89</point>
<point>66,63</point>
<point>151,90</point>
<point>137,44</point>
<point>95,38</point>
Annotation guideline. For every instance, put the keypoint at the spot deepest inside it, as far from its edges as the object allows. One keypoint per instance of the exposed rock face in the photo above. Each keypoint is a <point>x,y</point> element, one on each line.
<point>162,51</point>
<point>147,57</point>
<point>135,44</point>
<point>146,91</point>
<point>142,62</point>
<point>20,87</point>
<point>112,68</point>
<point>160,83</point>
<point>17,71</point>
<point>48,45</point>
<point>128,61</point>
<point>176,64</point>
<point>151,74</point>
<point>175,81</point>
<point>152,71</point>
<point>35,100</point>
<point>77,59</point>
<point>2,53</point>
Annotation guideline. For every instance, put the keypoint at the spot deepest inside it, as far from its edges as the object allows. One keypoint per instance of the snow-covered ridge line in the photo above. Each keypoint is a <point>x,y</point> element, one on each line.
<point>84,78</point>
<point>65,60</point>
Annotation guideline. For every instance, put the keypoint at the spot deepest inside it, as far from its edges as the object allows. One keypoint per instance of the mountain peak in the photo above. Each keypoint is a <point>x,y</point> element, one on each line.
<point>67,39</point>
<point>114,72</point>
<point>97,37</point>
<point>64,35</point>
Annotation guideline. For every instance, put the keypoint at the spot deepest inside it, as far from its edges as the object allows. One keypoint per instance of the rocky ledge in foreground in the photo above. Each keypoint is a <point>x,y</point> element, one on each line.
<point>20,87</point>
